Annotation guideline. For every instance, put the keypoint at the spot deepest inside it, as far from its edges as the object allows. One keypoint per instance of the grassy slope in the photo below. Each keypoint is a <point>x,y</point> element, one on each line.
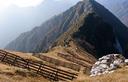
<point>14,74</point>
<point>120,75</point>
<point>74,49</point>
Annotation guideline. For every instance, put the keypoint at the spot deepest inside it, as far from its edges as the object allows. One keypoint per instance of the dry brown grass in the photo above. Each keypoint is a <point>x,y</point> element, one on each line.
<point>25,55</point>
<point>14,74</point>
<point>53,53</point>
<point>120,75</point>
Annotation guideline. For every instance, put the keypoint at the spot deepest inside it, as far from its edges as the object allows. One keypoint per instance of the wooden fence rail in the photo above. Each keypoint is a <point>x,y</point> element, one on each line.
<point>73,59</point>
<point>78,57</point>
<point>57,62</point>
<point>47,71</point>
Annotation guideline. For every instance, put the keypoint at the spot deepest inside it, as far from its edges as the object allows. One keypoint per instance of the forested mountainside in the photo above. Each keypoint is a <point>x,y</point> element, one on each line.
<point>88,24</point>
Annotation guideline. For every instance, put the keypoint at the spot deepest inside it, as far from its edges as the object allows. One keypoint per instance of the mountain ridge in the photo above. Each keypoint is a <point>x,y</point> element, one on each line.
<point>87,32</point>
<point>116,29</point>
<point>15,45</point>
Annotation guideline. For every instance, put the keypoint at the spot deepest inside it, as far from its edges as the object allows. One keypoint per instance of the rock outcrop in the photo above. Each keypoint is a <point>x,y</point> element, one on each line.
<point>107,64</point>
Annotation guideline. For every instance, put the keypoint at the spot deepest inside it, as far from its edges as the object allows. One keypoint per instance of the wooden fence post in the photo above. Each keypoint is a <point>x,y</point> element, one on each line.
<point>39,68</point>
<point>4,57</point>
<point>27,65</point>
<point>56,75</point>
<point>14,62</point>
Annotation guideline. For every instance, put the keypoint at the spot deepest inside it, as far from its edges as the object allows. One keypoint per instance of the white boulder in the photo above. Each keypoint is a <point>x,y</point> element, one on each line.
<point>107,64</point>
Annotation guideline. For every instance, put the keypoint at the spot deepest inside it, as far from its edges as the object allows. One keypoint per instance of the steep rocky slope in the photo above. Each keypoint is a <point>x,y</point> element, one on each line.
<point>87,24</point>
<point>118,7</point>
<point>97,31</point>
<point>40,38</point>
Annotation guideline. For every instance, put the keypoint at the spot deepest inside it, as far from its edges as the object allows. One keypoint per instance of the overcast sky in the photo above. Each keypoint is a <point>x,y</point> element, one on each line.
<point>17,16</point>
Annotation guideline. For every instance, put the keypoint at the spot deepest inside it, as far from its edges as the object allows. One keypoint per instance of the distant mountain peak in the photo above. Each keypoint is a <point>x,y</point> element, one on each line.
<point>88,24</point>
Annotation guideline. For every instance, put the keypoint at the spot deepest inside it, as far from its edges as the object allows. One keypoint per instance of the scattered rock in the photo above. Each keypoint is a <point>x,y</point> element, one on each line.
<point>126,61</point>
<point>107,64</point>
